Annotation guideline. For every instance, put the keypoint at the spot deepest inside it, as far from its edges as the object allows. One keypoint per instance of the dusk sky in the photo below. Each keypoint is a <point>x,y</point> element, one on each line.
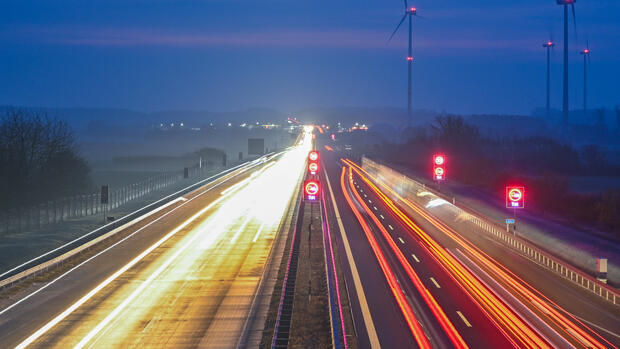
<point>477,56</point>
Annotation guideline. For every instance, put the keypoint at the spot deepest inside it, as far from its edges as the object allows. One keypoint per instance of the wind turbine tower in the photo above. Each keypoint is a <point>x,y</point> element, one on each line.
<point>548,45</point>
<point>566,3</point>
<point>409,13</point>
<point>586,59</point>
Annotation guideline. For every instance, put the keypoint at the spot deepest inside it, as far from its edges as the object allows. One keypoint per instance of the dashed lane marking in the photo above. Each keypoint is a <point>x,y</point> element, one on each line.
<point>467,323</point>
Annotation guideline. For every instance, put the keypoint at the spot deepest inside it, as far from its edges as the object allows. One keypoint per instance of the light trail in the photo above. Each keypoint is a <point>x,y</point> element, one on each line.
<point>334,271</point>
<point>45,328</point>
<point>437,311</point>
<point>495,309</point>
<point>549,309</point>
<point>401,300</point>
<point>227,209</point>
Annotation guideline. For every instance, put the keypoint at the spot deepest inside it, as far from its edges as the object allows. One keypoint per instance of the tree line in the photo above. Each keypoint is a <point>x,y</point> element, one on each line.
<point>39,160</point>
<point>542,164</point>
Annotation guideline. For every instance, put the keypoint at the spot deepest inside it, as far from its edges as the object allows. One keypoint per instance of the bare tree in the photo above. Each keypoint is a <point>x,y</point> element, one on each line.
<point>38,160</point>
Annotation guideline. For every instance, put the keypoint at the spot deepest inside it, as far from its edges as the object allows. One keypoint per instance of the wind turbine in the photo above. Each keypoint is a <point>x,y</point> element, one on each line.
<point>566,3</point>
<point>548,45</point>
<point>409,12</point>
<point>586,59</point>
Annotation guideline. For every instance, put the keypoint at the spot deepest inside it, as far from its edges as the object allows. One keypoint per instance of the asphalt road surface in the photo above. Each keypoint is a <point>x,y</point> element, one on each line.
<point>186,275</point>
<point>471,314</point>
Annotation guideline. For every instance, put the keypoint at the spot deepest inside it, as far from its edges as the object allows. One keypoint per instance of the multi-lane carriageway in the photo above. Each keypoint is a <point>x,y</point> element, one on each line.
<point>414,281</point>
<point>184,275</point>
<point>188,273</point>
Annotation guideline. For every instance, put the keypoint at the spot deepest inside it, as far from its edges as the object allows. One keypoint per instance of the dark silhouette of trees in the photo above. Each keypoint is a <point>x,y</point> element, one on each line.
<point>542,164</point>
<point>452,132</point>
<point>39,160</point>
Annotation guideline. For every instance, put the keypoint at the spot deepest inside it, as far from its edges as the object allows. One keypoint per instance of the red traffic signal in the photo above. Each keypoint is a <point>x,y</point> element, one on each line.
<point>313,167</point>
<point>313,155</point>
<point>312,189</point>
<point>515,197</point>
<point>439,167</point>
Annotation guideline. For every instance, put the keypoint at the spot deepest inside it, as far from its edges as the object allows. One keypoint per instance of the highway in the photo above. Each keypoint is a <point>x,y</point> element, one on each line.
<point>185,276</point>
<point>485,304</point>
<point>391,327</point>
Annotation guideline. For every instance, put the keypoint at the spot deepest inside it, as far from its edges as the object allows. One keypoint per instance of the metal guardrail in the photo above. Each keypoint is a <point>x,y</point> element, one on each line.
<point>74,247</point>
<point>521,246</point>
<point>550,262</point>
<point>339,338</point>
<point>285,225</point>
<point>282,329</point>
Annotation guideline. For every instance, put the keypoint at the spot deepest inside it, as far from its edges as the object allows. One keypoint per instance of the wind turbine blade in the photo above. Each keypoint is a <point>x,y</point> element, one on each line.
<point>572,7</point>
<point>551,35</point>
<point>406,6</point>
<point>398,26</point>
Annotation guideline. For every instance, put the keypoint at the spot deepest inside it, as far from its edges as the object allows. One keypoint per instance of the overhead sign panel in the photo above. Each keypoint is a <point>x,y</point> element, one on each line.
<point>256,146</point>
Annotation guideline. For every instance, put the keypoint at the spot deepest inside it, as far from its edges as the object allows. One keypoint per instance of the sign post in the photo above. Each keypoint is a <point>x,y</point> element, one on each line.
<point>515,199</point>
<point>439,169</point>
<point>601,269</point>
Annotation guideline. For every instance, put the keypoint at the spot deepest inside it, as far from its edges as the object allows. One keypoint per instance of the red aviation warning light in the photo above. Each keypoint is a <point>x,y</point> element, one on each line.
<point>312,189</point>
<point>313,155</point>
<point>515,197</point>
<point>313,168</point>
<point>439,167</point>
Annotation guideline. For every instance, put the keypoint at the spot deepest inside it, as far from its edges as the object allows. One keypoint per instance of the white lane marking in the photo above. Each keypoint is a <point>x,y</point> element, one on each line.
<point>375,207</point>
<point>416,258</point>
<point>370,201</point>
<point>240,230</point>
<point>435,282</point>
<point>391,227</point>
<point>228,171</point>
<point>365,195</point>
<point>107,249</point>
<point>359,290</point>
<point>33,337</point>
<point>583,341</point>
<point>111,278</point>
<point>183,198</point>
<point>467,323</point>
<point>505,296</point>
<point>381,216</point>
<point>258,232</point>
<point>401,240</point>
<point>540,307</point>
<point>144,285</point>
<point>593,324</point>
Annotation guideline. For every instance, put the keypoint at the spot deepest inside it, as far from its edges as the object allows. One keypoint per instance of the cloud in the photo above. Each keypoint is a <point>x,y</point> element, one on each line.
<point>329,39</point>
